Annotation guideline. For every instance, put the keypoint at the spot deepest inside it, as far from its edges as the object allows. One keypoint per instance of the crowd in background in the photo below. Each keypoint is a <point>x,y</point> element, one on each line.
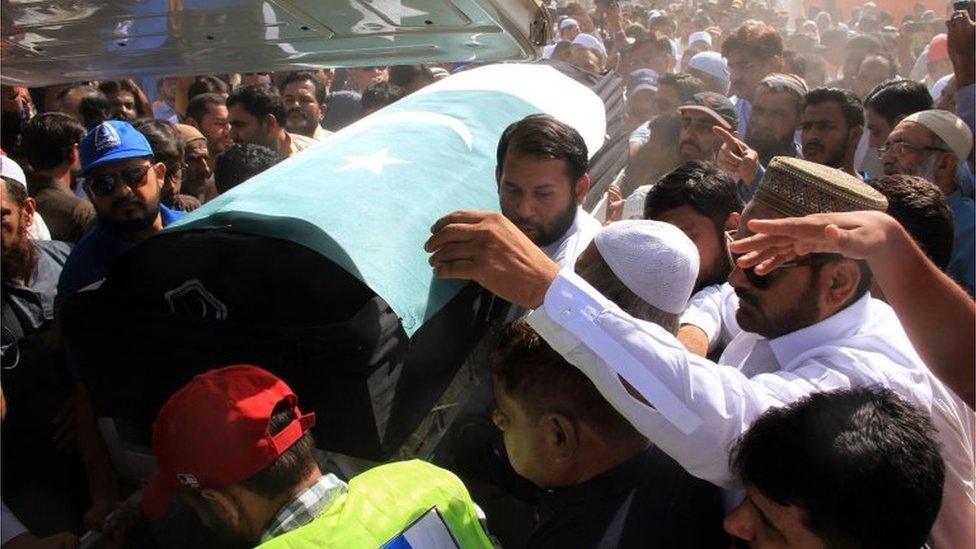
<point>707,357</point>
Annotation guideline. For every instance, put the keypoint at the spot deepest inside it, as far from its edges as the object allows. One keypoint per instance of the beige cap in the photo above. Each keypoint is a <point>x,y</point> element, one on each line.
<point>189,133</point>
<point>949,127</point>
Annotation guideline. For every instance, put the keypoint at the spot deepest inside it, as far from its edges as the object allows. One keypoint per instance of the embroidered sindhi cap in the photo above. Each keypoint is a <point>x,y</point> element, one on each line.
<point>796,187</point>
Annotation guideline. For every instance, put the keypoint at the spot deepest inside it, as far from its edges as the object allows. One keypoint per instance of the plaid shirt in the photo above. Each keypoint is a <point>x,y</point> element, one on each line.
<point>304,507</point>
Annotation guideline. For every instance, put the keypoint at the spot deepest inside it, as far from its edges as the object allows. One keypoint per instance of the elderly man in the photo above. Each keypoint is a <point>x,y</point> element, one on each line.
<point>124,183</point>
<point>884,108</point>
<point>587,52</point>
<point>934,144</point>
<point>603,482</point>
<point>199,165</point>
<point>806,328</point>
<point>234,446</point>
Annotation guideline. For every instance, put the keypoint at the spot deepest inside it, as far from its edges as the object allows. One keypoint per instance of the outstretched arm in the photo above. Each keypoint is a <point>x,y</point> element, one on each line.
<point>938,316</point>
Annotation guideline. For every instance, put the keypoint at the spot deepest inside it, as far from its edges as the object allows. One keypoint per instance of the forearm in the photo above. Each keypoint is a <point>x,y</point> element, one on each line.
<point>694,339</point>
<point>102,481</point>
<point>938,316</point>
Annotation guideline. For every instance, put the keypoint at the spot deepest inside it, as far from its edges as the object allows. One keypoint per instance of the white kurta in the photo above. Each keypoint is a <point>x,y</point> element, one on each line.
<point>712,310</point>
<point>576,238</point>
<point>699,408</point>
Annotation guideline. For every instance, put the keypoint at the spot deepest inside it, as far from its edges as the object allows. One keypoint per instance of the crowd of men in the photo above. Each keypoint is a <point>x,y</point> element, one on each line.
<point>763,334</point>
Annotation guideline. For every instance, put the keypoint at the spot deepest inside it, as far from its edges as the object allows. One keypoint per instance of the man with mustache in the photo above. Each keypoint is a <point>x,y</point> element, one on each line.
<point>542,181</point>
<point>699,115</point>
<point>123,182</point>
<point>833,121</point>
<point>753,51</point>
<point>304,95</point>
<point>257,115</point>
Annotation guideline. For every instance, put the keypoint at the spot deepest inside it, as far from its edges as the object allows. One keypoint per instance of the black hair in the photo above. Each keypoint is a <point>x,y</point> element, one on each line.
<point>47,139</point>
<point>918,205</point>
<point>164,140</point>
<point>197,107</point>
<point>240,162</point>
<point>291,467</point>
<point>302,76</point>
<point>94,109</point>
<point>380,94</point>
<point>259,100</point>
<point>143,108</point>
<point>686,84</point>
<point>862,465</point>
<point>542,136</point>
<point>889,59</point>
<point>405,75</point>
<point>206,84</point>
<point>541,380</point>
<point>708,190</point>
<point>896,99</point>
<point>850,105</point>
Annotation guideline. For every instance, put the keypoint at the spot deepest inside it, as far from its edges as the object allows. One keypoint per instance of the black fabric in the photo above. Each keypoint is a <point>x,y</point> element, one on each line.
<point>236,298</point>
<point>647,501</point>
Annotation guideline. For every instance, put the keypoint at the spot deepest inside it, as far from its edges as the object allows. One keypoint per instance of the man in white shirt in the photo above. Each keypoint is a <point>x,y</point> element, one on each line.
<point>809,328</point>
<point>542,181</point>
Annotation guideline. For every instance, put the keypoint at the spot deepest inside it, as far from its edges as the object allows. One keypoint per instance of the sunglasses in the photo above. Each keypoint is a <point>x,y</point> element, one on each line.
<point>762,282</point>
<point>104,184</point>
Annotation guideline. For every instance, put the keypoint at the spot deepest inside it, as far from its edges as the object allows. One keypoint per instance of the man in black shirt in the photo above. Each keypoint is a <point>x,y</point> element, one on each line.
<point>603,484</point>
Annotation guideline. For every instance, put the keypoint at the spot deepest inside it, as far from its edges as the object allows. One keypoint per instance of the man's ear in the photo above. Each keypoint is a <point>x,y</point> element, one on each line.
<point>498,175</point>
<point>855,137</point>
<point>29,208</point>
<point>270,123</point>
<point>732,221</point>
<point>74,156</point>
<point>582,187</point>
<point>840,280</point>
<point>561,436</point>
<point>223,504</point>
<point>946,163</point>
<point>160,170</point>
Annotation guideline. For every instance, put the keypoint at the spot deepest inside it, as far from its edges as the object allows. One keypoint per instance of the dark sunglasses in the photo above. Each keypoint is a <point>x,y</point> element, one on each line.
<point>759,281</point>
<point>104,184</point>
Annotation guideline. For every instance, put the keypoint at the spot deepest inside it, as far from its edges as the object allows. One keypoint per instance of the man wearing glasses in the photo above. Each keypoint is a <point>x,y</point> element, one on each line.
<point>934,144</point>
<point>124,182</point>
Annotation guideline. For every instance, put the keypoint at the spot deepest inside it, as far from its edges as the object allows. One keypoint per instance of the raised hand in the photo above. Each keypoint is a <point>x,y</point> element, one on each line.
<point>736,158</point>
<point>487,248</point>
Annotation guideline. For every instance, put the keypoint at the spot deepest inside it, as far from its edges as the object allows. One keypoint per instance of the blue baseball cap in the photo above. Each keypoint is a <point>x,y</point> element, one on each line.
<point>642,79</point>
<point>111,141</point>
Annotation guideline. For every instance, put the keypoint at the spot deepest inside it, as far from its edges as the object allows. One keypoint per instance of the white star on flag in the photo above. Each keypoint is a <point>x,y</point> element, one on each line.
<point>373,162</point>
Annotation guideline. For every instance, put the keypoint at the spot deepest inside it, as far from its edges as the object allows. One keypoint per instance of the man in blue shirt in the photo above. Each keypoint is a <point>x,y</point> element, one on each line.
<point>123,182</point>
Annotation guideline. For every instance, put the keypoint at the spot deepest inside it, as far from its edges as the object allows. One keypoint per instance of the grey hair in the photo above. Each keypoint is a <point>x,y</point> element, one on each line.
<point>786,83</point>
<point>599,275</point>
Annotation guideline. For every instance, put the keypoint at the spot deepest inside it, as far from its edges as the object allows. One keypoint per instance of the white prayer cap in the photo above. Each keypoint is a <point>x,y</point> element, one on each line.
<point>590,42</point>
<point>655,260</point>
<point>949,127</point>
<point>940,85</point>
<point>713,64</point>
<point>700,36</point>
<point>12,170</point>
<point>568,23</point>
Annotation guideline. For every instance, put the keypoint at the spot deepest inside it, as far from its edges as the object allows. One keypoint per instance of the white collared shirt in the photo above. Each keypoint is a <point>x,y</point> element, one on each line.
<point>576,238</point>
<point>699,408</point>
<point>712,310</point>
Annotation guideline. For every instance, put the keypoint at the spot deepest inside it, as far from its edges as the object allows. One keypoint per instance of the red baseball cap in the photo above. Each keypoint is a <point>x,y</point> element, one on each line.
<point>214,432</point>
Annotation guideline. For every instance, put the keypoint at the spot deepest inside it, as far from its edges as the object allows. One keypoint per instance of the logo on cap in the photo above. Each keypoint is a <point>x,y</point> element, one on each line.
<point>106,137</point>
<point>188,480</point>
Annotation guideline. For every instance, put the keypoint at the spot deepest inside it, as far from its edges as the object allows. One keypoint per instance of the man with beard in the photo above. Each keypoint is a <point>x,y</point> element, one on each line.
<point>304,95</point>
<point>123,183</point>
<point>702,201</point>
<point>233,446</point>
<point>776,111</point>
<point>256,114</point>
<point>833,121</point>
<point>207,112</point>
<point>807,328</point>
<point>754,50</point>
<point>50,441</point>
<point>198,164</point>
<point>542,181</point>
<point>933,144</point>
<point>884,108</point>
<point>699,115</point>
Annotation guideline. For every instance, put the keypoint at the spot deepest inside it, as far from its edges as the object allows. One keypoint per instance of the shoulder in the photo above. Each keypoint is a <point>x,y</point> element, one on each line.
<point>55,249</point>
